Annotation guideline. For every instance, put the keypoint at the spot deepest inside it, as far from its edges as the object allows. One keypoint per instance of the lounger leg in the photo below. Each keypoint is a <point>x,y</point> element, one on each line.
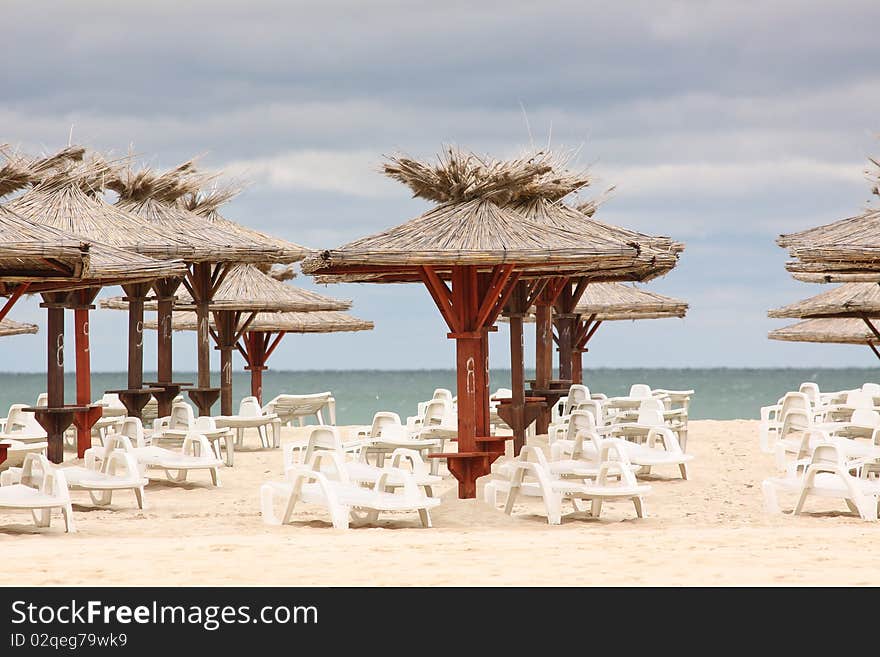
<point>771,502</point>
<point>339,516</point>
<point>42,517</point>
<point>853,507</point>
<point>67,512</point>
<point>511,496</point>
<point>553,506</point>
<point>490,494</point>
<point>639,504</point>
<point>215,477</point>
<point>102,498</point>
<point>267,509</point>
<point>801,500</point>
<point>139,496</point>
<point>178,477</point>
<point>596,508</point>
<point>425,517</point>
<point>683,468</point>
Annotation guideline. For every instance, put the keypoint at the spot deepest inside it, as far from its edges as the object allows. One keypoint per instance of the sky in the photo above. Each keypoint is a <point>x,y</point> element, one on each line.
<point>721,124</point>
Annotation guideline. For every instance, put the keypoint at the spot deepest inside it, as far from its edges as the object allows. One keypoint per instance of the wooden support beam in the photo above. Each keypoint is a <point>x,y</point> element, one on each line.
<point>10,302</point>
<point>442,297</point>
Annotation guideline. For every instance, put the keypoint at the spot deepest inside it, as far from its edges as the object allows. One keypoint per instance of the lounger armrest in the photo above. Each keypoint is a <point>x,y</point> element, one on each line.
<point>598,396</point>
<point>666,436</point>
<point>93,458</point>
<point>204,446</point>
<point>413,456</point>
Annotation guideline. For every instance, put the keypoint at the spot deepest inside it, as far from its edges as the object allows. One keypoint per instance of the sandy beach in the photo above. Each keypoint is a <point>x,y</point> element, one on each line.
<point>709,530</point>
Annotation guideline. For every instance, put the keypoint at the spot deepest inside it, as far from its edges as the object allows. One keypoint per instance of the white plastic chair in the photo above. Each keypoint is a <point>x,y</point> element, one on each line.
<point>330,487</point>
<point>39,487</point>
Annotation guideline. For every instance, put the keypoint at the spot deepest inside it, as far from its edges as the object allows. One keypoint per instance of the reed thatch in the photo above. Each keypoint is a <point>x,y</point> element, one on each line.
<point>71,201</point>
<point>278,272</point>
<point>610,302</point>
<point>613,301</point>
<point>836,331</point>
<point>29,249</point>
<point>310,322</point>
<point>11,327</point>
<point>156,199</point>
<point>475,232</point>
<point>849,300</point>
<point>247,289</point>
<point>206,204</point>
<point>495,212</point>
<point>20,171</point>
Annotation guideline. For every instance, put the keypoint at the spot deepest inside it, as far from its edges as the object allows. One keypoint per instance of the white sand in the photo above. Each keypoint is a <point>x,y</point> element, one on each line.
<point>709,530</point>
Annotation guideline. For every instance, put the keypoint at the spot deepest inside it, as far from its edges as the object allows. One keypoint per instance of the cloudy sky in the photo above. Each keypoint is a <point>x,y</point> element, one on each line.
<point>721,124</point>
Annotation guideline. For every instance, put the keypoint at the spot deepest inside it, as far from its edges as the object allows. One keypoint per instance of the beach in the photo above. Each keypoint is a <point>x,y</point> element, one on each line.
<point>710,530</point>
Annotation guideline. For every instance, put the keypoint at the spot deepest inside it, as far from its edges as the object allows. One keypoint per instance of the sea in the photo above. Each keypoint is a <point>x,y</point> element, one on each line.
<point>720,393</point>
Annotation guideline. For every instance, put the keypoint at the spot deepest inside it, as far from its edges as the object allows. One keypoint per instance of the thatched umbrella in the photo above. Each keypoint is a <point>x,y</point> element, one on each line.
<point>244,292</point>
<point>11,327</point>
<point>259,338</point>
<point>535,186</point>
<point>829,331</point>
<point>159,199</point>
<point>476,241</point>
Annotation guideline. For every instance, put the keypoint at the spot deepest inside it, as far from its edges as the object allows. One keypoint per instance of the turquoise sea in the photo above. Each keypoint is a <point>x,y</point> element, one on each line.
<point>721,393</point>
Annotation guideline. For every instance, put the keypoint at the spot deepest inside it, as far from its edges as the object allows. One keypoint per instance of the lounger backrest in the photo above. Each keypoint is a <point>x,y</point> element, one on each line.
<point>827,455</point>
<point>872,389</point>
<point>652,405</point>
<point>436,412</point>
<point>443,393</point>
<point>811,390</point>
<point>810,441</point>
<point>594,407</point>
<point>204,423</point>
<point>133,430</point>
<point>42,399</point>
<point>859,399</point>
<point>795,421</point>
<point>323,437</point>
<point>639,390</point>
<point>577,394</point>
<point>250,407</point>
<point>865,417</point>
<point>651,417</point>
<point>580,421</point>
<point>614,460</point>
<point>795,401</point>
<point>182,416</point>
<point>20,420</point>
<point>381,420</point>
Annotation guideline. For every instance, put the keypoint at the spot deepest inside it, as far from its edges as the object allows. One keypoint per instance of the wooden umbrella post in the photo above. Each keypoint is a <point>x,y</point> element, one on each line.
<point>55,417</point>
<point>201,283</point>
<point>470,309</point>
<point>136,396</point>
<point>256,347</point>
<point>165,289</point>
<point>84,421</point>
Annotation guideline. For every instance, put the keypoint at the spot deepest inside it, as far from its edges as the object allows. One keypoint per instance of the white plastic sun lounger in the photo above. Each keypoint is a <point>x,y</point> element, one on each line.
<point>38,487</point>
<point>17,451</point>
<point>195,454</point>
<point>615,481</point>
<point>358,470</point>
<point>21,425</point>
<point>106,470</point>
<point>298,407</point>
<point>827,475</point>
<point>251,416</point>
<point>312,485</point>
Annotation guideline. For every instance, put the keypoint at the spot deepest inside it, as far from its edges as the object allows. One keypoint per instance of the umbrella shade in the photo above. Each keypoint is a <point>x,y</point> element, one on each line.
<point>247,289</point>
<point>836,331</point>
<point>849,300</point>
<point>308,322</point>
<point>11,327</point>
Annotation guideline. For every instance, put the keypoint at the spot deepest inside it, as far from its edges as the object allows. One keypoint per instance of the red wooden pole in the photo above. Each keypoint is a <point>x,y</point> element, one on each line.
<point>83,376</point>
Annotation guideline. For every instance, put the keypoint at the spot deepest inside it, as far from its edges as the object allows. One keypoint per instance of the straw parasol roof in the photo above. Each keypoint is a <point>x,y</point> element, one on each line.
<point>28,249</point>
<point>614,301</point>
<point>491,212</point>
<point>153,197</point>
<point>308,322</point>
<point>844,251</point>
<point>849,300</point>
<point>11,327</point>
<point>206,204</point>
<point>70,199</point>
<point>609,302</point>
<point>838,331</point>
<point>246,288</point>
